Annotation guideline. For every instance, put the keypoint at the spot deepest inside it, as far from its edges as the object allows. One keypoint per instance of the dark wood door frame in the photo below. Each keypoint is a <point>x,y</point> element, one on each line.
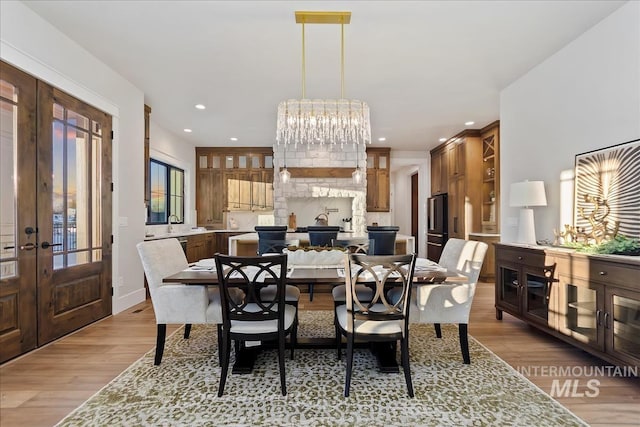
<point>71,297</point>
<point>38,302</point>
<point>18,323</point>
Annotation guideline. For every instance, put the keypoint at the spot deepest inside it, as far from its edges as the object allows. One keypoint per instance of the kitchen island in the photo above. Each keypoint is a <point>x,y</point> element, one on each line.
<point>247,244</point>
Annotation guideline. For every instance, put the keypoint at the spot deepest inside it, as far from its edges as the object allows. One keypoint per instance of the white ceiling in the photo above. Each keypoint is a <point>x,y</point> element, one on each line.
<point>424,68</point>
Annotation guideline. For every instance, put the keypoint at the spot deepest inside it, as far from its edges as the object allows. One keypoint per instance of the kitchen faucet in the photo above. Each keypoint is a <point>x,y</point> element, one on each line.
<point>171,223</point>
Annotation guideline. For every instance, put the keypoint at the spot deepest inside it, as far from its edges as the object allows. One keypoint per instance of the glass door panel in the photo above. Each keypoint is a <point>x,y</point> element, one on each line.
<point>74,170</point>
<point>203,162</point>
<point>536,288</point>
<point>8,177</point>
<point>623,321</point>
<point>580,311</point>
<point>509,286</point>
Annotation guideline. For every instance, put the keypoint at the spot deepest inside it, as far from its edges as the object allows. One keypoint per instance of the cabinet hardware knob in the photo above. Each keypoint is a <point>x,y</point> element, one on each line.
<point>520,258</point>
<point>603,273</point>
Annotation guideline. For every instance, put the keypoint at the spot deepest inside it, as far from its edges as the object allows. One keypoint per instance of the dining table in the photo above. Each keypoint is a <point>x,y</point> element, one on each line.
<point>426,273</point>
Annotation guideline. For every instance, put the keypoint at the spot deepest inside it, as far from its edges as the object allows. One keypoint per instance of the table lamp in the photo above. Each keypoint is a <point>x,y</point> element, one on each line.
<point>524,195</point>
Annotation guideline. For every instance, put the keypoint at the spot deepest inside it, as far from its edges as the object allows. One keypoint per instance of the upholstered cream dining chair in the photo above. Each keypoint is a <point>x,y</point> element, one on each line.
<point>175,303</point>
<point>451,303</point>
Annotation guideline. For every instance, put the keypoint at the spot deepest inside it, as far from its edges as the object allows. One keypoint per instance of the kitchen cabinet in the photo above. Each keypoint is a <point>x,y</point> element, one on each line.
<point>488,271</point>
<point>593,303</point>
<point>249,181</point>
<point>465,177</point>
<point>467,168</point>
<point>378,179</point>
<point>439,170</point>
<point>222,242</point>
<point>490,178</point>
<point>232,179</point>
<point>200,246</point>
<point>209,190</point>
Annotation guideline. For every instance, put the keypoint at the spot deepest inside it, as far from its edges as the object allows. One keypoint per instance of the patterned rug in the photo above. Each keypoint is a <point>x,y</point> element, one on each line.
<point>182,391</point>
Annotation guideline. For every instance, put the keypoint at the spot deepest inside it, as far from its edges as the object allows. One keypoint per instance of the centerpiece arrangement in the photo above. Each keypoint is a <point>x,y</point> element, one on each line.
<point>602,237</point>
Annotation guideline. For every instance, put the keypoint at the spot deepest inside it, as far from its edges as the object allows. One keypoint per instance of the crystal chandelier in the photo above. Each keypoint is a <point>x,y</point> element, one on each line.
<point>323,121</point>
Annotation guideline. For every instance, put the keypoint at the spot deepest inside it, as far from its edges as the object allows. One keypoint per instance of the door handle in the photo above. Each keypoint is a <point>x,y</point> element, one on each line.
<point>29,246</point>
<point>47,245</point>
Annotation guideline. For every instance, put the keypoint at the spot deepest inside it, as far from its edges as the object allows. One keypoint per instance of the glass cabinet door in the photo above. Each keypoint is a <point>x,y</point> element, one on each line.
<point>537,289</point>
<point>580,311</point>
<point>622,322</point>
<point>509,283</point>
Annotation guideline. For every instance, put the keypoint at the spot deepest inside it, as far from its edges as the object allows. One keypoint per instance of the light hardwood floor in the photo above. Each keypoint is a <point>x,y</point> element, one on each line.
<point>40,388</point>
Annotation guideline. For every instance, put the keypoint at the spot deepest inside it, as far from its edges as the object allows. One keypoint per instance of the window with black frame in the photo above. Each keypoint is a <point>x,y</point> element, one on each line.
<point>167,193</point>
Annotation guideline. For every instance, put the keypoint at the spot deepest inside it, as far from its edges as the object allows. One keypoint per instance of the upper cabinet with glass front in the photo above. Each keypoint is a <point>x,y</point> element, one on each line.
<point>232,179</point>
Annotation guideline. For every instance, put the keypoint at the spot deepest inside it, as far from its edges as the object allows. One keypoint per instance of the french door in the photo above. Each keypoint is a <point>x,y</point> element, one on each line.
<point>55,208</point>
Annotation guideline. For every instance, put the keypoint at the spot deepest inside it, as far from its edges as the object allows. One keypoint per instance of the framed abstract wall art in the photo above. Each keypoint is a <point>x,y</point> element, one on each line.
<point>607,190</point>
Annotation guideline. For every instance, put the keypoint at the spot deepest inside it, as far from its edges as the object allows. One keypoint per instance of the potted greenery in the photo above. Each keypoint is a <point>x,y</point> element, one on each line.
<point>619,245</point>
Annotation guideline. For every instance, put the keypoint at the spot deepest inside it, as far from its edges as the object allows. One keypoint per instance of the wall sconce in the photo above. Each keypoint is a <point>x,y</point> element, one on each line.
<point>523,195</point>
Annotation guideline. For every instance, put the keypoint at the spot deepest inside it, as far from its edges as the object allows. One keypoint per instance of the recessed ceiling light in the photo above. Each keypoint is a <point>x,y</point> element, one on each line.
<point>468,123</point>
<point>200,107</point>
<point>233,138</point>
<point>382,139</point>
<point>188,130</point>
<point>442,139</point>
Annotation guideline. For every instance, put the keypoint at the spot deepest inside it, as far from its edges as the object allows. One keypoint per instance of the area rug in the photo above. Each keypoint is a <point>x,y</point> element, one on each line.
<point>182,391</point>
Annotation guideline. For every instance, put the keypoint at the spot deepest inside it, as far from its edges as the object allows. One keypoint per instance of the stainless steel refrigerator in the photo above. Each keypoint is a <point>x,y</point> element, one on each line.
<point>437,220</point>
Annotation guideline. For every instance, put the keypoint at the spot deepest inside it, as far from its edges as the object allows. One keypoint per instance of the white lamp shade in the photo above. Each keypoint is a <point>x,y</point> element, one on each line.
<point>527,193</point>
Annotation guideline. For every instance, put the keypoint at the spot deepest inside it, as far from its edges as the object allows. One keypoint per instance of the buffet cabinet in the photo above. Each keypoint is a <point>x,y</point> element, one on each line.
<point>590,301</point>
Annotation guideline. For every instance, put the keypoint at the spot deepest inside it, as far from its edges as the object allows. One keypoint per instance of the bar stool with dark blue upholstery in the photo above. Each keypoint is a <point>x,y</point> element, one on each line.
<point>384,238</point>
<point>322,235</point>
<point>269,233</point>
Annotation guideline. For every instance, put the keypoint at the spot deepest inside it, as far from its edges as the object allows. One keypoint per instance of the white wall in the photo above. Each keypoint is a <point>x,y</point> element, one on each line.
<point>171,149</point>
<point>32,44</point>
<point>585,97</point>
<point>405,164</point>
